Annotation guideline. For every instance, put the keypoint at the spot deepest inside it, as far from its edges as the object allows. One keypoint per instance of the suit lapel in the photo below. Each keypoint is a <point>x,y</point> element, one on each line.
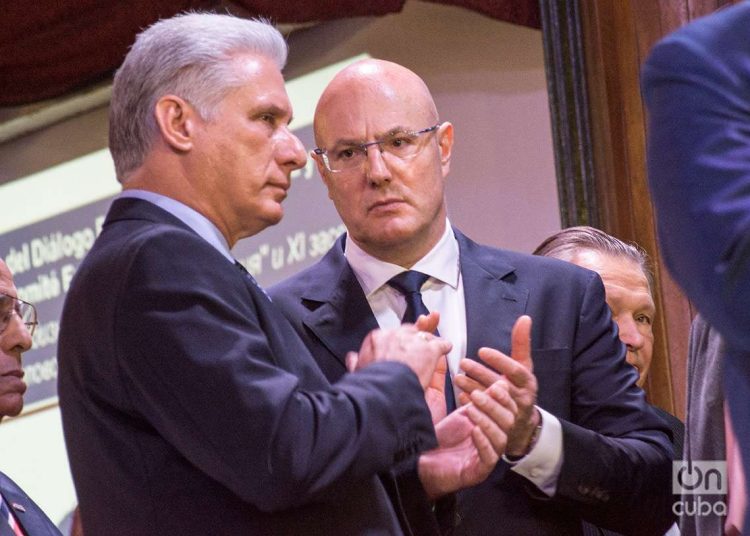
<point>492,298</point>
<point>339,314</point>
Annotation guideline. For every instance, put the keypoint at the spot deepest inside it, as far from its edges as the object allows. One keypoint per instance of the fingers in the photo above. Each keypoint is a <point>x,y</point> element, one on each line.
<point>503,407</point>
<point>487,452</point>
<point>437,381</point>
<point>434,393</point>
<point>518,368</point>
<point>443,346</point>
<point>436,403</point>
<point>494,412</point>
<point>478,376</point>
<point>419,350</point>
<point>366,354</point>
<point>518,374</point>
<point>351,361</point>
<point>428,323</point>
<point>440,345</point>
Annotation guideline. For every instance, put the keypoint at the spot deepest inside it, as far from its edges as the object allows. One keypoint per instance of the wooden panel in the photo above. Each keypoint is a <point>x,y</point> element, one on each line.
<point>612,62</point>
<point>569,109</point>
<point>617,36</point>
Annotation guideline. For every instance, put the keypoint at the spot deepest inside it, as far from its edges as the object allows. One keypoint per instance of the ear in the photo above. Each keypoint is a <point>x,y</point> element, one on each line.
<point>176,119</point>
<point>322,171</point>
<point>445,141</point>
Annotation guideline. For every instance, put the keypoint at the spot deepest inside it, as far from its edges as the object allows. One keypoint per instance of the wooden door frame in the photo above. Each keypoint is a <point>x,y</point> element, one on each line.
<point>593,52</point>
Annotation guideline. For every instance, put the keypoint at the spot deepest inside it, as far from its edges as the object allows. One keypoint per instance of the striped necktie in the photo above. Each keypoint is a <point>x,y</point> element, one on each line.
<point>8,524</point>
<point>410,285</point>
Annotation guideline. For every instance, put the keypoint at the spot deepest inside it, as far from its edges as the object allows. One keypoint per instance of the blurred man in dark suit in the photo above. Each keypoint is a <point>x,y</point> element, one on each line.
<point>585,444</point>
<point>696,85</point>
<point>18,513</point>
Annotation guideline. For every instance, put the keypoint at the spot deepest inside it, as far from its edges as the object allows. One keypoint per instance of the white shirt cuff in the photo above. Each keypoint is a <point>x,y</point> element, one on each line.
<point>542,464</point>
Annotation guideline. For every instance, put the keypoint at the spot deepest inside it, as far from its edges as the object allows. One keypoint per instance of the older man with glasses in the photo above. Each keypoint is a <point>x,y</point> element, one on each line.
<point>584,445</point>
<point>18,513</point>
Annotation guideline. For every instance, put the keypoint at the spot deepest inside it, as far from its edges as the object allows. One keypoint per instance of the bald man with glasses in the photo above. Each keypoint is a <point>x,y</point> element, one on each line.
<point>19,515</point>
<point>584,444</point>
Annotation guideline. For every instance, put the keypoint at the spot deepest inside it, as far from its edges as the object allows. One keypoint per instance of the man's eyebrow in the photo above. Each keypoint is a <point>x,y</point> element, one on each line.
<point>274,110</point>
<point>397,130</point>
<point>360,141</point>
<point>348,142</point>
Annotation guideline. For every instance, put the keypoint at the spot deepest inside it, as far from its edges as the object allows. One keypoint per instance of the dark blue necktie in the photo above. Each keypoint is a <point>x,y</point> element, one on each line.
<point>410,285</point>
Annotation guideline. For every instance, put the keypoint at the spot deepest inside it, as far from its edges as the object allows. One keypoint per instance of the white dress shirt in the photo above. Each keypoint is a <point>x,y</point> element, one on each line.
<point>444,292</point>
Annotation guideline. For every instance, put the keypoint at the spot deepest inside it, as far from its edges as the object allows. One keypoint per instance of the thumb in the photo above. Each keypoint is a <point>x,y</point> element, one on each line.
<point>521,342</point>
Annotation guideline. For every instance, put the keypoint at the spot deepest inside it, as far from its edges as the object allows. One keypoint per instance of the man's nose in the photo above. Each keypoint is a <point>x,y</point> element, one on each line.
<point>16,335</point>
<point>291,153</point>
<point>629,333</point>
<point>377,168</point>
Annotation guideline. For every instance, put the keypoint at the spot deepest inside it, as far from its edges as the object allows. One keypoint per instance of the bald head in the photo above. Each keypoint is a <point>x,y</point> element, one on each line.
<point>378,124</point>
<point>391,88</point>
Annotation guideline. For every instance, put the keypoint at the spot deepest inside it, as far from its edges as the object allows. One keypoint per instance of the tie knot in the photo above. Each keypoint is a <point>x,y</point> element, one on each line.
<point>408,282</point>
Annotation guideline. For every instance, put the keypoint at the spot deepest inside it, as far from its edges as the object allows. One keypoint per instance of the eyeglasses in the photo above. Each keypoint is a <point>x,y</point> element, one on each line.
<point>25,311</point>
<point>403,144</point>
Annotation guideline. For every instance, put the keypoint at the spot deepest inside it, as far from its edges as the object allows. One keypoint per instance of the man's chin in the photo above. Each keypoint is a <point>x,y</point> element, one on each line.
<point>276,214</point>
<point>11,404</point>
<point>271,218</point>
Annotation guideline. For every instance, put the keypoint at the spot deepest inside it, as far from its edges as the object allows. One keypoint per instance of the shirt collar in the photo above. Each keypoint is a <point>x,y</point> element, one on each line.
<point>190,217</point>
<point>440,263</point>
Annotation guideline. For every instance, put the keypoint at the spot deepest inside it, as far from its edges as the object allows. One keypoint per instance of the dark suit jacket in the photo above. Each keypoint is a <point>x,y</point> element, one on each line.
<point>190,406</point>
<point>31,518</point>
<point>697,87</point>
<point>676,428</point>
<point>617,455</point>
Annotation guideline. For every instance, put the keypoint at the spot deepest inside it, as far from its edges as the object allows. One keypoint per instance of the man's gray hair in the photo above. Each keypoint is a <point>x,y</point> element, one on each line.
<point>188,55</point>
<point>566,244</point>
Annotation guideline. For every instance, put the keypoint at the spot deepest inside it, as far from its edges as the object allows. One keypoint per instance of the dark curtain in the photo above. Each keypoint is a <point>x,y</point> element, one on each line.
<point>51,47</point>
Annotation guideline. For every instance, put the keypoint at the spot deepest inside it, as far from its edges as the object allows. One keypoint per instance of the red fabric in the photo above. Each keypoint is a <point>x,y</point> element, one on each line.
<point>295,12</point>
<point>51,47</point>
<point>523,13</point>
<point>55,47</point>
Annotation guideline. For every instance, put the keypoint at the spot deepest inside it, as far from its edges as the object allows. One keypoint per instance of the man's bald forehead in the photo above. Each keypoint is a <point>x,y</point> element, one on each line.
<point>377,76</point>
<point>374,71</point>
<point>376,68</point>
